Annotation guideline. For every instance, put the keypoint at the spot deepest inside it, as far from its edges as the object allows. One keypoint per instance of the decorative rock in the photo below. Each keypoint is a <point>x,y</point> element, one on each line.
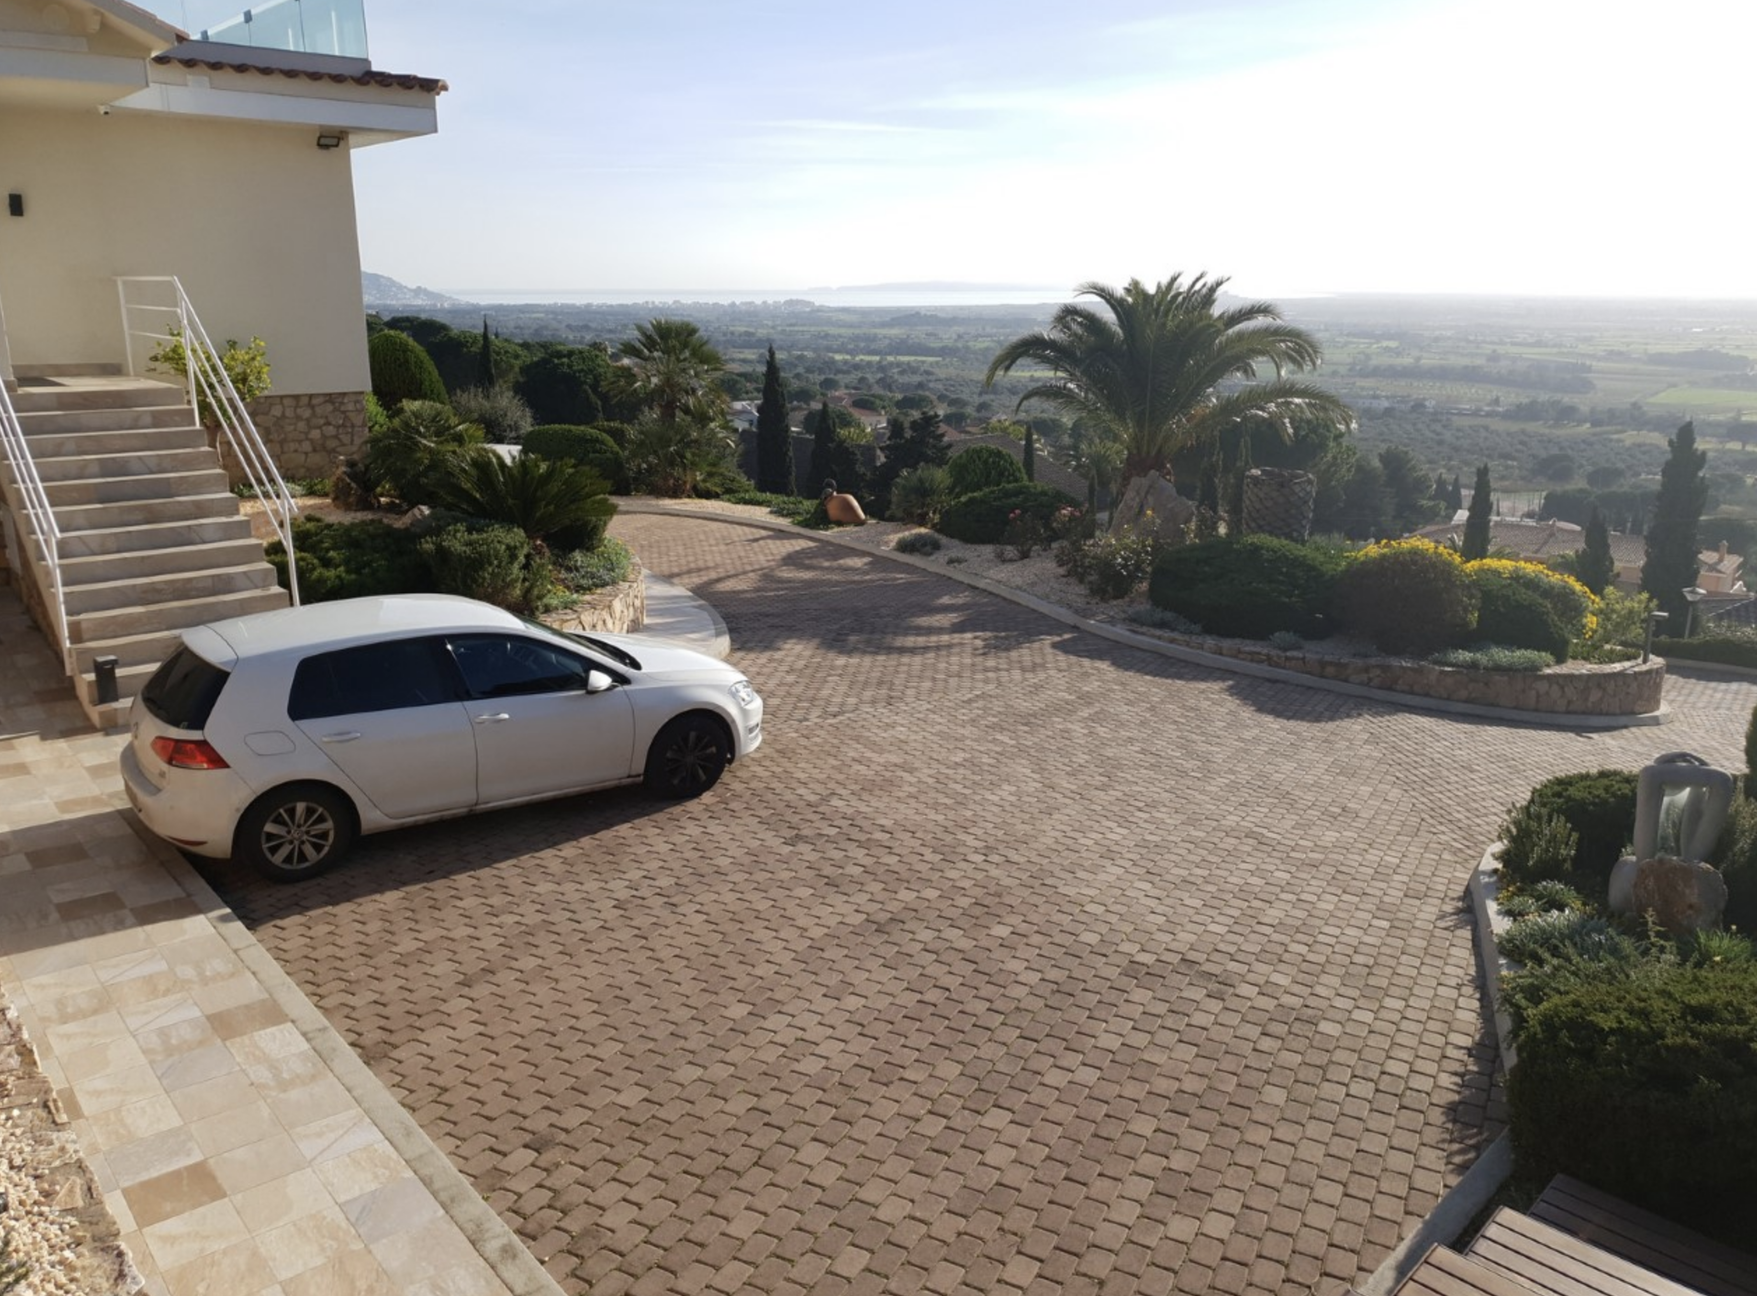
<point>1682,896</point>
<point>844,510</point>
<point>1622,896</point>
<point>1151,506</point>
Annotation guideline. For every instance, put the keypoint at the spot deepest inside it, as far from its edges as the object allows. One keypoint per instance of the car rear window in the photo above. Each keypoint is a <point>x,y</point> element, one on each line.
<point>183,691</point>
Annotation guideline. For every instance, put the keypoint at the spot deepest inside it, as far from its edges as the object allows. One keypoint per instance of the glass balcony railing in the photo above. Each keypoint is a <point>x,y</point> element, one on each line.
<point>305,26</point>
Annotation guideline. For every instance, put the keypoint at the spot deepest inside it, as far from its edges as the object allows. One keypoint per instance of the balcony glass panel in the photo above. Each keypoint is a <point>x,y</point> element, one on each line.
<point>307,26</point>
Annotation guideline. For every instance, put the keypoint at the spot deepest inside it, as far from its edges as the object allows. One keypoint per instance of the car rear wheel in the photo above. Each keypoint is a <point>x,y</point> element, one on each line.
<point>295,833</point>
<point>688,757</point>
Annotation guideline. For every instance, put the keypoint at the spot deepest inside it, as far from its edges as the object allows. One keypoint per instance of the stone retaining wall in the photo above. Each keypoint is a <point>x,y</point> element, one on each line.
<point>1626,688</point>
<point>308,435</point>
<point>616,609</point>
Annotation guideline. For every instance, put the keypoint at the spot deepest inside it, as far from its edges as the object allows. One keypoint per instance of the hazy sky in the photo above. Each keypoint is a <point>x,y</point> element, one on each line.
<point>1531,146</point>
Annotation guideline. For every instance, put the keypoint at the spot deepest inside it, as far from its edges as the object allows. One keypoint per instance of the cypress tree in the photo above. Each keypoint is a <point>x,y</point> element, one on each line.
<point>1030,454</point>
<point>1597,568</point>
<point>823,449</point>
<point>1455,496</point>
<point>1476,526</point>
<point>774,440</point>
<point>485,360</point>
<point>1672,557</point>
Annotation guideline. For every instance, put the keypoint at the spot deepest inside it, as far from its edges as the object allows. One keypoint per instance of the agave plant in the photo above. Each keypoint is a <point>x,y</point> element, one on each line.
<point>541,497</point>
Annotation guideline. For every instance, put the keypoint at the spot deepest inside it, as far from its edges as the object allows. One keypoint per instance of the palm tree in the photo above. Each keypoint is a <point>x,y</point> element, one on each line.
<point>1161,369</point>
<point>670,368</point>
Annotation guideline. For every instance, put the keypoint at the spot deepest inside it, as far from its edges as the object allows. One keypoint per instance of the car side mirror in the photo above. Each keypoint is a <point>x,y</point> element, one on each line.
<point>598,682</point>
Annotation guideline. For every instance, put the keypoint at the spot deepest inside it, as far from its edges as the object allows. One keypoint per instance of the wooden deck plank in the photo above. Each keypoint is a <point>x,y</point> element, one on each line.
<point>1446,1273</point>
<point>1557,1262</point>
<point>1646,1239</point>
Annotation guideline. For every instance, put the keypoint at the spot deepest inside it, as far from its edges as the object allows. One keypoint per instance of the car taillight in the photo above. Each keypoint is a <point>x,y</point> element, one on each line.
<point>188,753</point>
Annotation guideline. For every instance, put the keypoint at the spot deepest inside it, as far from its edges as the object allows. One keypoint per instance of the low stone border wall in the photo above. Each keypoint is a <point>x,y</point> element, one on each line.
<point>616,609</point>
<point>1626,688</point>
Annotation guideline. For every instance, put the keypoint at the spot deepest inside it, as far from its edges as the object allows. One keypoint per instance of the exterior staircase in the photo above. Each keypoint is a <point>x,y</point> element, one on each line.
<point>152,539</point>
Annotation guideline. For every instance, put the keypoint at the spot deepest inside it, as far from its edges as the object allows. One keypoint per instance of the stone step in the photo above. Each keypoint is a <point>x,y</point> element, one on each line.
<point>152,535</point>
<point>131,651</point>
<point>112,466</point>
<point>105,420</point>
<point>178,614</point>
<point>112,715</point>
<point>169,587</point>
<point>143,564</point>
<point>114,393</point>
<point>68,445</point>
<point>145,486</point>
<point>197,506</point>
<point>91,369</point>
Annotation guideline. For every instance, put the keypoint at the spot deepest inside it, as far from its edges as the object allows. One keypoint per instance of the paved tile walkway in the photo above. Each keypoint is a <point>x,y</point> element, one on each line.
<point>1016,962</point>
<point>233,1158</point>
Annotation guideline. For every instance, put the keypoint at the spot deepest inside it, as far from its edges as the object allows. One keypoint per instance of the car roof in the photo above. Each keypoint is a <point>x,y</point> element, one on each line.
<point>343,622</point>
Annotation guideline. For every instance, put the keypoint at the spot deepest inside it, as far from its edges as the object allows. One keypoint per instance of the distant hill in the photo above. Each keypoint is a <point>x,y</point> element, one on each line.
<point>381,290</point>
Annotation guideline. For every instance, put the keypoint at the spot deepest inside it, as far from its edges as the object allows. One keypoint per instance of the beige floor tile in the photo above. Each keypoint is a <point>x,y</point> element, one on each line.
<point>185,1035</point>
<point>188,1237</point>
<point>156,1014</point>
<point>101,948</point>
<point>135,991</point>
<point>312,1102</point>
<point>195,1067</point>
<point>308,1241</point>
<point>118,1208</point>
<point>239,1270</point>
<point>136,1121</point>
<point>270,1044</point>
<point>152,1156</point>
<point>235,991</point>
<point>369,1168</point>
<point>239,1127</point>
<point>47,961</point>
<point>59,1010</point>
<point>113,1055</point>
<point>255,1016</point>
<point>426,1253</point>
<point>353,1273</point>
<point>477,1281</point>
<point>212,1097</point>
<point>401,1206</point>
<point>258,1163</point>
<point>281,1201</point>
<point>185,1190</point>
<point>87,1032</point>
<point>335,1136</point>
<point>130,967</point>
<point>172,930</point>
<point>285,1072</point>
<point>66,980</point>
<point>119,1089</point>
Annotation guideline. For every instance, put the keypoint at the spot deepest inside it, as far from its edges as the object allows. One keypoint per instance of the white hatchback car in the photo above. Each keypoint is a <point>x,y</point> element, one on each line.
<point>278,738</point>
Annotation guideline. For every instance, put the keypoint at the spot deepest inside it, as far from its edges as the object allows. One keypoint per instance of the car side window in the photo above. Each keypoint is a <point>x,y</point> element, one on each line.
<point>510,665</point>
<point>374,677</point>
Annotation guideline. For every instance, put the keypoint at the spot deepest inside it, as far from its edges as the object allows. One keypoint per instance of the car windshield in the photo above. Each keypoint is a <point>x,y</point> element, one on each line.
<point>609,650</point>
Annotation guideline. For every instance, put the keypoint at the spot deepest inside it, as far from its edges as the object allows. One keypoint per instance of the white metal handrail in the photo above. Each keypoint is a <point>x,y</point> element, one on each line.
<point>41,516</point>
<point>211,391</point>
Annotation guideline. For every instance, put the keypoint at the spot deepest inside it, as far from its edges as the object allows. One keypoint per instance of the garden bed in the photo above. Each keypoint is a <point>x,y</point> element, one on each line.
<point>615,609</point>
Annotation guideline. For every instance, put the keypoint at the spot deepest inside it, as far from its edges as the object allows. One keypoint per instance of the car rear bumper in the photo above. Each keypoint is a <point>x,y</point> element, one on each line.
<point>196,810</point>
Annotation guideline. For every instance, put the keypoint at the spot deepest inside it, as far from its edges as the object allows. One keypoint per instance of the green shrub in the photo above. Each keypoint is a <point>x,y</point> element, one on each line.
<point>408,458</point>
<point>586,570</point>
<point>1749,786</point>
<point>402,371</point>
<point>497,410</point>
<point>1721,648</point>
<point>339,560</point>
<point>980,468</point>
<point>496,564</point>
<point>982,518</point>
<point>1622,619</point>
<point>1493,657</point>
<point>1551,934</point>
<point>1574,606</point>
<point>1510,615</point>
<point>1407,596</point>
<point>920,495</point>
<point>1594,653</point>
<point>920,543</point>
<point>1537,844</point>
<point>376,418</point>
<point>719,478</point>
<point>1646,1087</point>
<point>1113,566</point>
<point>546,499</point>
<point>1549,896</point>
<point>1249,588</point>
<point>594,448</point>
<point>1599,806</point>
<point>1735,855</point>
<point>246,366</point>
<point>1709,948</point>
<point>1160,619</point>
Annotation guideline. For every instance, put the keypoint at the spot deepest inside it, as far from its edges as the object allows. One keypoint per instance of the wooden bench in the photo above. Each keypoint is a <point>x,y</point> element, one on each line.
<point>1547,1260</point>
<point>1446,1273</point>
<point>1646,1239</point>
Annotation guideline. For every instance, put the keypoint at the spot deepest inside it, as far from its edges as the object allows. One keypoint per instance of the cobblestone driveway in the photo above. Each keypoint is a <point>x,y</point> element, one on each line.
<point>1017,961</point>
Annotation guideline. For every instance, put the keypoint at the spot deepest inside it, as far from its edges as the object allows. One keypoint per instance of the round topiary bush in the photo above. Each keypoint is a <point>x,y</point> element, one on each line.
<point>1574,606</point>
<point>1407,596</point>
<point>402,370</point>
<point>1646,1086</point>
<point>1599,806</point>
<point>982,518</point>
<point>1249,588</point>
<point>590,446</point>
<point>1511,615</point>
<point>981,468</point>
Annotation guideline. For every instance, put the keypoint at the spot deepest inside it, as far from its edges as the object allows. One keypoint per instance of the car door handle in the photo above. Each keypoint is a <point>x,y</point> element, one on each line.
<point>342,737</point>
<point>491,719</point>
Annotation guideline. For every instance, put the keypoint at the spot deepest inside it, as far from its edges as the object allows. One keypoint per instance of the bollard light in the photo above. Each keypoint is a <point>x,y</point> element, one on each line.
<point>1653,618</point>
<point>104,672</point>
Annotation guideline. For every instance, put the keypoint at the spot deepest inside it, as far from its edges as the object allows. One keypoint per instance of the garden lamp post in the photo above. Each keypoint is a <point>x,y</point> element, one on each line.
<point>1694,594</point>
<point>1653,618</point>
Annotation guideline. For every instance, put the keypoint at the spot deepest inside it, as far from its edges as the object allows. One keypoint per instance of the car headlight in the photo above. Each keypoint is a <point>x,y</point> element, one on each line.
<point>744,694</point>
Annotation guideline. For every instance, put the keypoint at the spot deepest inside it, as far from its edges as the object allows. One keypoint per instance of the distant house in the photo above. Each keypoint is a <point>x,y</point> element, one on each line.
<point>1721,570</point>
<point>1543,541</point>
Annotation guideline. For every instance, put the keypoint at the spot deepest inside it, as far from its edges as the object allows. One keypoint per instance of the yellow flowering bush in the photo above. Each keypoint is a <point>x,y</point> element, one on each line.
<point>1407,596</point>
<point>1575,606</point>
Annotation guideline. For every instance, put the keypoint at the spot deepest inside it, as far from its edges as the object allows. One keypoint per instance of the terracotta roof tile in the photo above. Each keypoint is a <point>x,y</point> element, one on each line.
<point>388,80</point>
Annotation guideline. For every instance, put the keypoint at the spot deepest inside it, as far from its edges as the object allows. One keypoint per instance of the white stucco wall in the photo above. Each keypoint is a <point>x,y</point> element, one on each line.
<point>255,220</point>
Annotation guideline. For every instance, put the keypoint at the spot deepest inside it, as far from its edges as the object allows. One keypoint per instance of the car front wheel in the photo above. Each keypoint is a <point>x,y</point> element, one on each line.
<point>688,757</point>
<point>294,833</point>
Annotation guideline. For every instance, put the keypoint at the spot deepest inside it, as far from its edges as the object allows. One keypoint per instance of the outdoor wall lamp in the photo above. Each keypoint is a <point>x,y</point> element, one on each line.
<point>330,140</point>
<point>15,204</point>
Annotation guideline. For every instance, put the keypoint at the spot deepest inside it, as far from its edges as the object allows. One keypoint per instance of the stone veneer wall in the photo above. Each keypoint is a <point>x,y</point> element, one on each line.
<point>617,609</point>
<point>1629,688</point>
<point>308,435</point>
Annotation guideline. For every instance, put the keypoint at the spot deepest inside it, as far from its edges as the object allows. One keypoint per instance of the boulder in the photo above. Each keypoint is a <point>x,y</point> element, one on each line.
<point>1151,506</point>
<point>1682,896</point>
